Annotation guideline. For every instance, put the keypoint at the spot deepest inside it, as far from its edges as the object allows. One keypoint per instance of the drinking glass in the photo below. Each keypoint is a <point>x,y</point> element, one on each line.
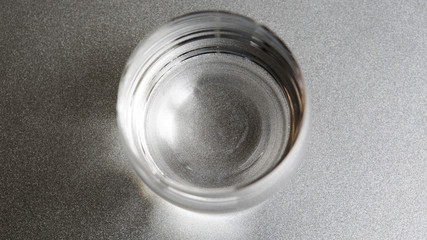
<point>213,110</point>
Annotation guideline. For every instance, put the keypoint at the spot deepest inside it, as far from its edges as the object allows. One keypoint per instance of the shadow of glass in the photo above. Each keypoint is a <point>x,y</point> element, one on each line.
<point>65,173</point>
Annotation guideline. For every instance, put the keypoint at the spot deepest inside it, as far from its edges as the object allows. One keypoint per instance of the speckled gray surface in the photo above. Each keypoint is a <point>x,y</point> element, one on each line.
<point>65,174</point>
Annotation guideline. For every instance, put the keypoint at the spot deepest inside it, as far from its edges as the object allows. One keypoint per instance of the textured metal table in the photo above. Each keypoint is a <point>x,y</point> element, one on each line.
<point>65,173</point>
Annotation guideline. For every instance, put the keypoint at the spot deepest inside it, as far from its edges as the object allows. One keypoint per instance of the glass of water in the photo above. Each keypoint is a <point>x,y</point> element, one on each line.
<point>213,110</point>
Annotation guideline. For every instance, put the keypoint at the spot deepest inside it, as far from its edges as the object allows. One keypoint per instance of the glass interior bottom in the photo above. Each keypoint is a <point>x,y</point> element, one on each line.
<point>214,120</point>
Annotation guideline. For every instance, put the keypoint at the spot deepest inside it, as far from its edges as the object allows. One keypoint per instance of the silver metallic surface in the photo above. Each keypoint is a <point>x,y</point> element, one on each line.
<point>65,174</point>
